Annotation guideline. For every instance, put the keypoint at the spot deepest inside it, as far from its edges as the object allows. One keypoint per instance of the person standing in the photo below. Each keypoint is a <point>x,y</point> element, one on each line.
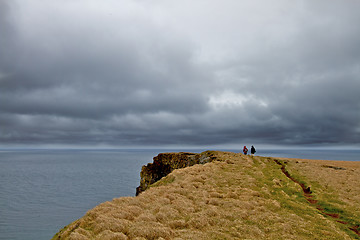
<point>252,150</point>
<point>245,150</point>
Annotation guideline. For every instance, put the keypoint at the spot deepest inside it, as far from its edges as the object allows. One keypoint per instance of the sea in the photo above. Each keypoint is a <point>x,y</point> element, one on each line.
<point>43,190</point>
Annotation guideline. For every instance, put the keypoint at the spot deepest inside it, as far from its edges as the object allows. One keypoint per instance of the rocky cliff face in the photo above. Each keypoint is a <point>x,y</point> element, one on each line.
<point>165,163</point>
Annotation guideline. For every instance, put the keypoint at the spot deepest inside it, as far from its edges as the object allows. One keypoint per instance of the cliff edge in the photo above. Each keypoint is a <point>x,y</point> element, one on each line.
<point>231,196</point>
<point>165,163</point>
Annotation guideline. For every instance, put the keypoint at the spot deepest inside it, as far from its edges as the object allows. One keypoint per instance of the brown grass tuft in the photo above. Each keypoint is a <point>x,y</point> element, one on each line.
<point>150,231</point>
<point>109,235</point>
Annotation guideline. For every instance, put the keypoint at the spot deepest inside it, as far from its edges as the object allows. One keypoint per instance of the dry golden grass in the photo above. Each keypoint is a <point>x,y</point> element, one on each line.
<point>236,197</point>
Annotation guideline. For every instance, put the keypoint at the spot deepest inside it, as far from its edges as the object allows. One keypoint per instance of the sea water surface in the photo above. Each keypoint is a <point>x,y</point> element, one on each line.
<point>42,191</point>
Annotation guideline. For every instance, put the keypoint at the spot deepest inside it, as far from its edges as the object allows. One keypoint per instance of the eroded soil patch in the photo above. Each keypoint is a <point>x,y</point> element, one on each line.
<point>310,198</point>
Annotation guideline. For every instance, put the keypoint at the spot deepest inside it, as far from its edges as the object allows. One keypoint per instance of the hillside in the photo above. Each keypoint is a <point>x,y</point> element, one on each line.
<point>235,197</point>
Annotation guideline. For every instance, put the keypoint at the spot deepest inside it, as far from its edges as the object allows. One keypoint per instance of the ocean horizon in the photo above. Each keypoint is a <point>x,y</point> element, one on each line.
<point>43,190</point>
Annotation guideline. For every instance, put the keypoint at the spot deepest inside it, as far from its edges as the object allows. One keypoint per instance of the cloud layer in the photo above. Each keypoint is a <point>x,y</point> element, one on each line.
<point>156,73</point>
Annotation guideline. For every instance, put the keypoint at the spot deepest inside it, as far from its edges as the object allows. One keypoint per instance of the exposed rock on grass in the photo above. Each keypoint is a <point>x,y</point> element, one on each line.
<point>165,163</point>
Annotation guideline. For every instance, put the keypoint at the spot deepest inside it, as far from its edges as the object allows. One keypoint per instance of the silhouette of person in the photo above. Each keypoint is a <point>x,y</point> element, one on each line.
<point>252,150</point>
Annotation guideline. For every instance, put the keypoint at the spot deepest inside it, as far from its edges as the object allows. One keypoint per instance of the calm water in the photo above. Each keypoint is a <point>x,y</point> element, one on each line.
<point>42,191</point>
<point>345,155</point>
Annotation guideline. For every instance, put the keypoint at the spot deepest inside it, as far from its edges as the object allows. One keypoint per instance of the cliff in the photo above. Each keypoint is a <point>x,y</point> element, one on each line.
<point>231,196</point>
<point>165,163</point>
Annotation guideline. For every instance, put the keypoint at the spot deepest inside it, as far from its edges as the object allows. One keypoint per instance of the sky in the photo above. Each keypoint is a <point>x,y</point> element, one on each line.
<point>136,73</point>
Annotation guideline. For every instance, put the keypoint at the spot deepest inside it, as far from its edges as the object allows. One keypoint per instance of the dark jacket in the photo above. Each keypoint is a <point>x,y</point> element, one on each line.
<point>253,150</point>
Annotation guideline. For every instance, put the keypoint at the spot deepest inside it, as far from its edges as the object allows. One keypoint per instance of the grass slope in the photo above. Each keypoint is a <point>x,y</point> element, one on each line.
<point>236,197</point>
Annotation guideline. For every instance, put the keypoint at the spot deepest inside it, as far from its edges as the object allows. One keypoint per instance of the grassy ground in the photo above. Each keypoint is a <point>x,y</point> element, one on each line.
<point>236,197</point>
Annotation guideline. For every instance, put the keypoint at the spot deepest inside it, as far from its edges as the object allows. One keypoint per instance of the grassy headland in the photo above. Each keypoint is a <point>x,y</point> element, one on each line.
<point>235,197</point>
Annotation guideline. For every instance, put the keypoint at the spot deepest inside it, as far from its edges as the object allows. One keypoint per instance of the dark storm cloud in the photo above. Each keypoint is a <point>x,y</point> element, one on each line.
<point>158,73</point>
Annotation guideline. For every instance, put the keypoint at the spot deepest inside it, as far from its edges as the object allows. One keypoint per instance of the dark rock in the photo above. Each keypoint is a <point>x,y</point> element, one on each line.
<point>333,167</point>
<point>307,190</point>
<point>165,163</point>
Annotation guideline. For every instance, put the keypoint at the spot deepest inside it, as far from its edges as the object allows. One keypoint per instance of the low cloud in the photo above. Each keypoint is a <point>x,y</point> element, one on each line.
<point>156,73</point>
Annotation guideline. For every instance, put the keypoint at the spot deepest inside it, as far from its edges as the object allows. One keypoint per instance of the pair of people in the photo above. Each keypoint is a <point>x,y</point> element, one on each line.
<point>245,150</point>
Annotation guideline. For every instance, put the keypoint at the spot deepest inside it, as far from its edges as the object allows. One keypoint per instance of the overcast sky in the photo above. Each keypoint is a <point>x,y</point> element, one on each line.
<point>179,73</point>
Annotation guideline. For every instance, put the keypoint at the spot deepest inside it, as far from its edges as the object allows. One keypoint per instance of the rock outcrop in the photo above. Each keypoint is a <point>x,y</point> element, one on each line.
<point>165,163</point>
